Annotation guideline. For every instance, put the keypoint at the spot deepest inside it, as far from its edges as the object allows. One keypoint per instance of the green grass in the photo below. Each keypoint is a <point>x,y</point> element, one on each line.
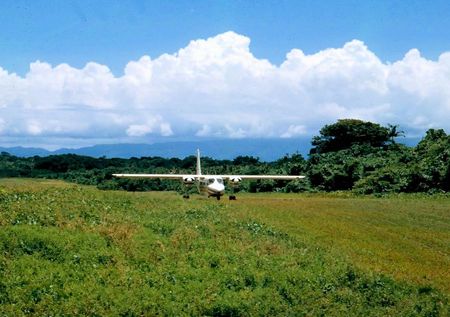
<point>404,236</point>
<point>73,250</point>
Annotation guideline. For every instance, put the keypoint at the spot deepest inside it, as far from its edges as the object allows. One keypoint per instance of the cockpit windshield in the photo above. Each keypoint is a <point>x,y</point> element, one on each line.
<point>212,180</point>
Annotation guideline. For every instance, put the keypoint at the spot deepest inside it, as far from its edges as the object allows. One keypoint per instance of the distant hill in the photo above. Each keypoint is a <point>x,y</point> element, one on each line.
<point>265,149</point>
<point>25,151</point>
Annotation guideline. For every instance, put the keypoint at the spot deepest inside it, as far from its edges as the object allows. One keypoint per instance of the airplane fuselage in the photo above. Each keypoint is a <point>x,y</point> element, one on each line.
<point>212,186</point>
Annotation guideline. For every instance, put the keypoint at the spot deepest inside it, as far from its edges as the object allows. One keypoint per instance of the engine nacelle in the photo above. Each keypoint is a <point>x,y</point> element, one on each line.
<point>188,180</point>
<point>235,180</point>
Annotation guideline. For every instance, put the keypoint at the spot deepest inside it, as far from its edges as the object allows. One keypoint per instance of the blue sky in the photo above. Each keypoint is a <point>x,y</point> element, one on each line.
<point>113,32</point>
<point>76,73</point>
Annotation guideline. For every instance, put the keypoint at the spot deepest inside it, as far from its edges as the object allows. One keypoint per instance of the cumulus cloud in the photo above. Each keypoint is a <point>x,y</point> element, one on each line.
<point>216,87</point>
<point>154,125</point>
<point>294,130</point>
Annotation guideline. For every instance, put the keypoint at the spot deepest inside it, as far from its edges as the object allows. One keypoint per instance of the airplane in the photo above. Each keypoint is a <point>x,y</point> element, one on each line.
<point>210,185</point>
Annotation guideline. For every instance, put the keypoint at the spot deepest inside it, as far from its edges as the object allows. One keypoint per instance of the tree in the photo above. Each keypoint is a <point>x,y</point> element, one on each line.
<point>348,132</point>
<point>394,132</point>
<point>433,153</point>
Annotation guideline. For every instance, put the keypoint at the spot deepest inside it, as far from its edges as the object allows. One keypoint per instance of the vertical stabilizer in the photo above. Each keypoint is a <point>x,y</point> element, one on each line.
<point>199,167</point>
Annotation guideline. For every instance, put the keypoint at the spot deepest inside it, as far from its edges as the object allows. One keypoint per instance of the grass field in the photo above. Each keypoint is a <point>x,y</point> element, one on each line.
<point>406,237</point>
<point>68,250</point>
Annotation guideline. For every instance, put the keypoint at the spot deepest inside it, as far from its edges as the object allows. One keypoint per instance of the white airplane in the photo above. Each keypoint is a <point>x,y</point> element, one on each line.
<point>211,185</point>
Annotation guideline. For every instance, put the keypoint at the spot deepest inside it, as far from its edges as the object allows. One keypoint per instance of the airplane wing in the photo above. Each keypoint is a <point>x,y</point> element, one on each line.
<point>281,177</point>
<point>193,176</point>
<point>166,176</point>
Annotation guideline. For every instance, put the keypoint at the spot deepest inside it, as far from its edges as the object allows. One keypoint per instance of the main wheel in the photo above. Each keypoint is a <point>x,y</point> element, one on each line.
<point>186,196</point>
<point>218,197</point>
<point>232,197</point>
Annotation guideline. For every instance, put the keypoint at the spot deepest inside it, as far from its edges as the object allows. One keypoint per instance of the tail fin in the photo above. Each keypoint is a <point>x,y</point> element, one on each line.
<point>199,167</point>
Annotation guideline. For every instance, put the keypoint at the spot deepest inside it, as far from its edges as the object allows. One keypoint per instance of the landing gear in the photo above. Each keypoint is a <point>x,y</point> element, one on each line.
<point>186,189</point>
<point>218,197</point>
<point>234,189</point>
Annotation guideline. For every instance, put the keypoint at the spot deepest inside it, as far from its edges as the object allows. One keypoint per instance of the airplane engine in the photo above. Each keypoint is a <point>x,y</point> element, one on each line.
<point>188,180</point>
<point>235,180</point>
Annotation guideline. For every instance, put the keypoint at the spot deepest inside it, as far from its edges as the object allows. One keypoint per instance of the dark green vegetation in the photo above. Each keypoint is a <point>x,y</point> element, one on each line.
<point>348,132</point>
<point>364,157</point>
<point>74,250</point>
<point>347,155</point>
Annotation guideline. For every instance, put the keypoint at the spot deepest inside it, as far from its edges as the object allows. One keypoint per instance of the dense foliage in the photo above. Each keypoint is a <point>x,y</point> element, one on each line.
<point>98,171</point>
<point>391,167</point>
<point>347,155</point>
<point>348,132</point>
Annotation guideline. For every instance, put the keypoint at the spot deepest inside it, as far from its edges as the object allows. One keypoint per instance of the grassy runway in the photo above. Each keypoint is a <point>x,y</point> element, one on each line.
<point>75,250</point>
<point>406,237</point>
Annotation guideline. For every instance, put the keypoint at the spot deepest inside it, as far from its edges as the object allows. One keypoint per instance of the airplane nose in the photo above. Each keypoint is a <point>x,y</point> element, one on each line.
<point>218,188</point>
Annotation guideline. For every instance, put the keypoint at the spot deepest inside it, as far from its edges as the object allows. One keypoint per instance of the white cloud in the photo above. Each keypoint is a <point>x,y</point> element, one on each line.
<point>34,128</point>
<point>165,129</point>
<point>151,125</point>
<point>216,88</point>
<point>138,130</point>
<point>294,130</point>
<point>204,131</point>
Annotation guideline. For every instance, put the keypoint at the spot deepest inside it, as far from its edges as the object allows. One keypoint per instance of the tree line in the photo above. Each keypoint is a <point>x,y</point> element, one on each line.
<point>350,154</point>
